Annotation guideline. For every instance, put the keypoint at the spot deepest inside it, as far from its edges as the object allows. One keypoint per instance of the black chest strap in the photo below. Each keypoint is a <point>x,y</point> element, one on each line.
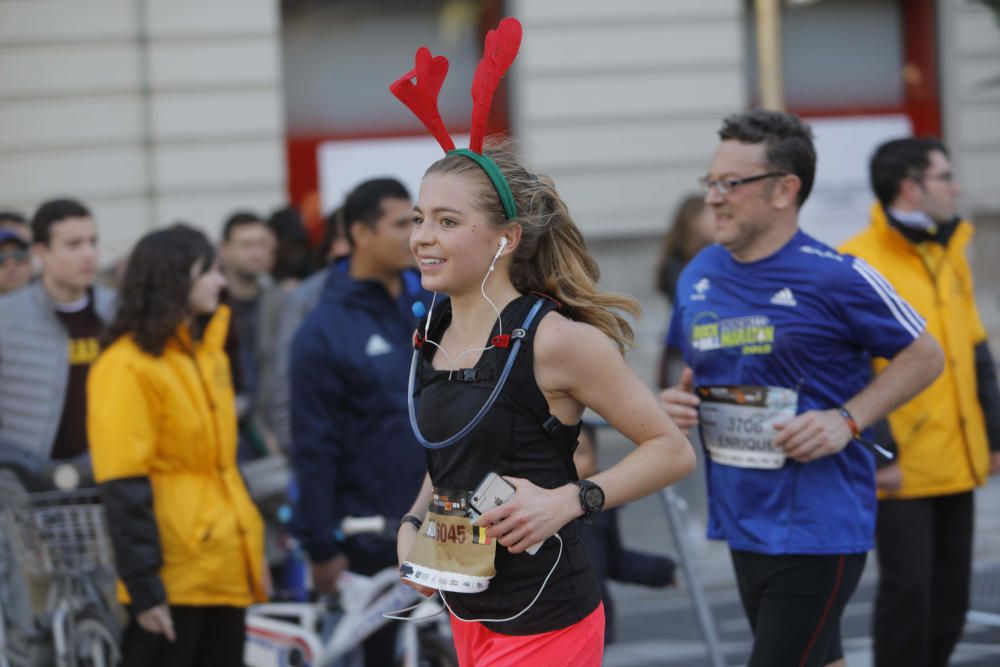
<point>416,363</point>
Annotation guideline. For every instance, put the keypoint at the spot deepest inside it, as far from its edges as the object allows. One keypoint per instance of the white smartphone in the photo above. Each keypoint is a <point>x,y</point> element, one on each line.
<point>492,492</point>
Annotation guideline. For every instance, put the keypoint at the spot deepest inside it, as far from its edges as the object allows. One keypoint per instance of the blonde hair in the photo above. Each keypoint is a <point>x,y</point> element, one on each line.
<point>552,257</point>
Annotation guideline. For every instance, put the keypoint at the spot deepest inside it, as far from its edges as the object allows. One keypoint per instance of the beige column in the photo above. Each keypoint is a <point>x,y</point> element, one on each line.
<point>768,27</point>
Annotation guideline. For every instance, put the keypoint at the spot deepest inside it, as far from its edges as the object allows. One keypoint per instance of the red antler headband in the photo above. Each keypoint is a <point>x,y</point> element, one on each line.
<point>418,89</point>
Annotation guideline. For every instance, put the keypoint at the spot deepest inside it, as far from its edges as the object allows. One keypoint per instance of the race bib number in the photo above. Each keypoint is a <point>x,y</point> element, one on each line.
<point>451,554</point>
<point>737,423</point>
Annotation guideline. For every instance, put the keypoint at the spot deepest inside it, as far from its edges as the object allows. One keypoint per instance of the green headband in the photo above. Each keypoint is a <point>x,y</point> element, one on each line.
<point>496,178</point>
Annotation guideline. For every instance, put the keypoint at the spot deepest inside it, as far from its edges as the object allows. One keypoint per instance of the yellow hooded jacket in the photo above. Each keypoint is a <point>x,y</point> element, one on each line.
<point>172,420</point>
<point>941,433</point>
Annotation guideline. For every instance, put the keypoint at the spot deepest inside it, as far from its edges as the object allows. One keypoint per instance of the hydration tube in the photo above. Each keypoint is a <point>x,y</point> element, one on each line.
<point>464,431</point>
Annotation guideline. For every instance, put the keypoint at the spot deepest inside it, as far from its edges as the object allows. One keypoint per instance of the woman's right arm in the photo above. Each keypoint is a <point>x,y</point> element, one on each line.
<point>407,531</point>
<point>407,534</point>
<point>120,429</point>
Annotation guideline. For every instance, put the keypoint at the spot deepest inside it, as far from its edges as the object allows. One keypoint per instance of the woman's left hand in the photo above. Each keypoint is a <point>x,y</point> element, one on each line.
<point>532,515</point>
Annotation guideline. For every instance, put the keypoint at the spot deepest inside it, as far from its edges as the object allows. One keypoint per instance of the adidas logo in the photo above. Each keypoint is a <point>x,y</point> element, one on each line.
<point>784,297</point>
<point>377,345</point>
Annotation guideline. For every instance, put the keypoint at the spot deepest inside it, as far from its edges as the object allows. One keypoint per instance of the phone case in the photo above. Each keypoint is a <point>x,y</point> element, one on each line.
<point>493,491</point>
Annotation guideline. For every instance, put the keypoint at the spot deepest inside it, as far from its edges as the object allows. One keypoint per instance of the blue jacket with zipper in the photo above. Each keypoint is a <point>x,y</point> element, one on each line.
<point>353,451</point>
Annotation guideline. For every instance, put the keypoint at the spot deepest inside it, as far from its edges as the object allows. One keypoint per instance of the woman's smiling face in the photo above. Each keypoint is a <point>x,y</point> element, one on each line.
<point>452,239</point>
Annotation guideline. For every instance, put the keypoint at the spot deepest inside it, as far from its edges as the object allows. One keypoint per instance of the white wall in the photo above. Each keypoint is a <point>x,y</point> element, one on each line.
<point>149,111</point>
<point>970,96</point>
<point>620,101</point>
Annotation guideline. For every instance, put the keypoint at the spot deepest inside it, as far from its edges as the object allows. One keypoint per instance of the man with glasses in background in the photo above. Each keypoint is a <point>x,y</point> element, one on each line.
<point>778,330</point>
<point>15,253</point>
<point>948,436</point>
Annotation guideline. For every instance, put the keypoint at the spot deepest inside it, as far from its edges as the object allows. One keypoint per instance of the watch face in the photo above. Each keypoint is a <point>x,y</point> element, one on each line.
<point>594,497</point>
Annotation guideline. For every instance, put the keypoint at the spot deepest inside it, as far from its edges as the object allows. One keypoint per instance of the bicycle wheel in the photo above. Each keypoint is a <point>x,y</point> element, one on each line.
<point>95,640</point>
<point>16,612</point>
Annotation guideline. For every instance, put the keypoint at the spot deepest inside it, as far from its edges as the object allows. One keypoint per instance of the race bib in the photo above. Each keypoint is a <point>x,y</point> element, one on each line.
<point>451,554</point>
<point>737,423</point>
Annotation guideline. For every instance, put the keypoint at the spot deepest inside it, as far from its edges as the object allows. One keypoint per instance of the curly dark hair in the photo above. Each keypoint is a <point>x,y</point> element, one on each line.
<point>788,142</point>
<point>156,287</point>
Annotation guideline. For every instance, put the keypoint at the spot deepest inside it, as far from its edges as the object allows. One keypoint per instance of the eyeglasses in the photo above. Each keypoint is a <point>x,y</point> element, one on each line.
<point>17,255</point>
<point>725,186</point>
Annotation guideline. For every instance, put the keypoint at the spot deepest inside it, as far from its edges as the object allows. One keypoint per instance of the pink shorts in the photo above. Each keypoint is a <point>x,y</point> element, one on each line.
<point>579,645</point>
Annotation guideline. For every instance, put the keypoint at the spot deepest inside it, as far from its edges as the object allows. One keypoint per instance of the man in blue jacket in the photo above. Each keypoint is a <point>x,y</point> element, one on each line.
<point>352,448</point>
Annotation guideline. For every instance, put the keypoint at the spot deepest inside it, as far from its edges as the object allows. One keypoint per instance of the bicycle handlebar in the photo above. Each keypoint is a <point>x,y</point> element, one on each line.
<point>38,474</point>
<point>361,525</point>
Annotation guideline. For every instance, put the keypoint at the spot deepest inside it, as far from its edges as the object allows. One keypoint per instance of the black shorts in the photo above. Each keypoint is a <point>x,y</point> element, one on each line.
<point>794,603</point>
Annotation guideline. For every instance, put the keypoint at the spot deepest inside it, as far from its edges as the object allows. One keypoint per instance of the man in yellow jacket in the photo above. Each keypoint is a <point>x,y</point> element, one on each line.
<point>947,437</point>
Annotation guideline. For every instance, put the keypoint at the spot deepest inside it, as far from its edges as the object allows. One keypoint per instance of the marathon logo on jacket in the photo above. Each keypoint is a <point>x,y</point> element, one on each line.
<point>737,423</point>
<point>753,334</point>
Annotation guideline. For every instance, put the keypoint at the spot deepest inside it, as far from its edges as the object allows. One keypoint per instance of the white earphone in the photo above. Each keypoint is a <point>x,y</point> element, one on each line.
<point>500,247</point>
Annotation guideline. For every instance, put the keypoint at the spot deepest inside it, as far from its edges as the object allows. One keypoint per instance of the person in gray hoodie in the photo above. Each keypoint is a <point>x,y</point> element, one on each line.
<point>49,336</point>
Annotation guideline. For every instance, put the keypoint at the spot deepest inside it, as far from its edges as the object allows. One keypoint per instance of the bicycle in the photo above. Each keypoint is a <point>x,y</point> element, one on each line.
<point>60,535</point>
<point>329,631</point>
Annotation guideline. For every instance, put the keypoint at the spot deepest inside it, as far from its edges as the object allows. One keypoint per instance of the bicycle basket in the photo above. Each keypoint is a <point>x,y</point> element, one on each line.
<point>62,533</point>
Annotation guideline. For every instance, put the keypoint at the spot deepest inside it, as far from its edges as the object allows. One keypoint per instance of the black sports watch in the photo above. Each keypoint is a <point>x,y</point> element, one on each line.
<point>591,498</point>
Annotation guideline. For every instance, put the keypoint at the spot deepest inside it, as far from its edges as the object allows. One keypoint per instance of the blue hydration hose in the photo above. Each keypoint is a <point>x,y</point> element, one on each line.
<point>489,401</point>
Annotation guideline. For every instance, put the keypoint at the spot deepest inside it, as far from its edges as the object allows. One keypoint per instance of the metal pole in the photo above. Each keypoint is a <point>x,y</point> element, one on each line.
<point>676,509</point>
<point>768,28</point>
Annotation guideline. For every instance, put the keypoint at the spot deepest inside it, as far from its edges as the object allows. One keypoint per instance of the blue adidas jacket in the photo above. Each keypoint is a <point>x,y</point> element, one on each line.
<point>353,451</point>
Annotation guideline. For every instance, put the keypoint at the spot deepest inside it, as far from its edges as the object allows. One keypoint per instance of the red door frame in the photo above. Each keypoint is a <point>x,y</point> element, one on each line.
<point>920,71</point>
<point>921,96</point>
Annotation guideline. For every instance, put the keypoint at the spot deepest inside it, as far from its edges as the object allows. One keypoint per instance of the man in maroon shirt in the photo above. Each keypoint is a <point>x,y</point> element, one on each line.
<point>49,333</point>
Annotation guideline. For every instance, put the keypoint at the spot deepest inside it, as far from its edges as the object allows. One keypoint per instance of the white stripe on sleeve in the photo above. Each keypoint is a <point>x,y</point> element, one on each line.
<point>915,317</point>
<point>887,296</point>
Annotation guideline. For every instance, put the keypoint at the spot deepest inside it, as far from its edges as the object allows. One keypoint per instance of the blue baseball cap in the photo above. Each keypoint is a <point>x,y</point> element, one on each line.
<point>7,235</point>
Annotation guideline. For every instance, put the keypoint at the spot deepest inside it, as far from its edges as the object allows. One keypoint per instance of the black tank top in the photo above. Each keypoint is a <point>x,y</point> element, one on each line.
<point>520,438</point>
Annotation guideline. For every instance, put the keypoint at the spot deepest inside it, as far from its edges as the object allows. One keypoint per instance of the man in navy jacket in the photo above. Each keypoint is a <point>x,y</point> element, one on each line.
<point>352,448</point>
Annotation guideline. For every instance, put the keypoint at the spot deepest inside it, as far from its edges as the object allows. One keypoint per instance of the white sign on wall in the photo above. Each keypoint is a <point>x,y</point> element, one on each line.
<point>838,207</point>
<point>345,164</point>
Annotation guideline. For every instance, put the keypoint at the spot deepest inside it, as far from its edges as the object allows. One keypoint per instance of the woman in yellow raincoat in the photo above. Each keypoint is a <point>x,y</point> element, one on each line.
<point>188,540</point>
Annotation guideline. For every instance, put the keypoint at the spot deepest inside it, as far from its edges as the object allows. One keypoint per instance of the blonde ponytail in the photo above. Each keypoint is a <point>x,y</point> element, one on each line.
<point>552,257</point>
